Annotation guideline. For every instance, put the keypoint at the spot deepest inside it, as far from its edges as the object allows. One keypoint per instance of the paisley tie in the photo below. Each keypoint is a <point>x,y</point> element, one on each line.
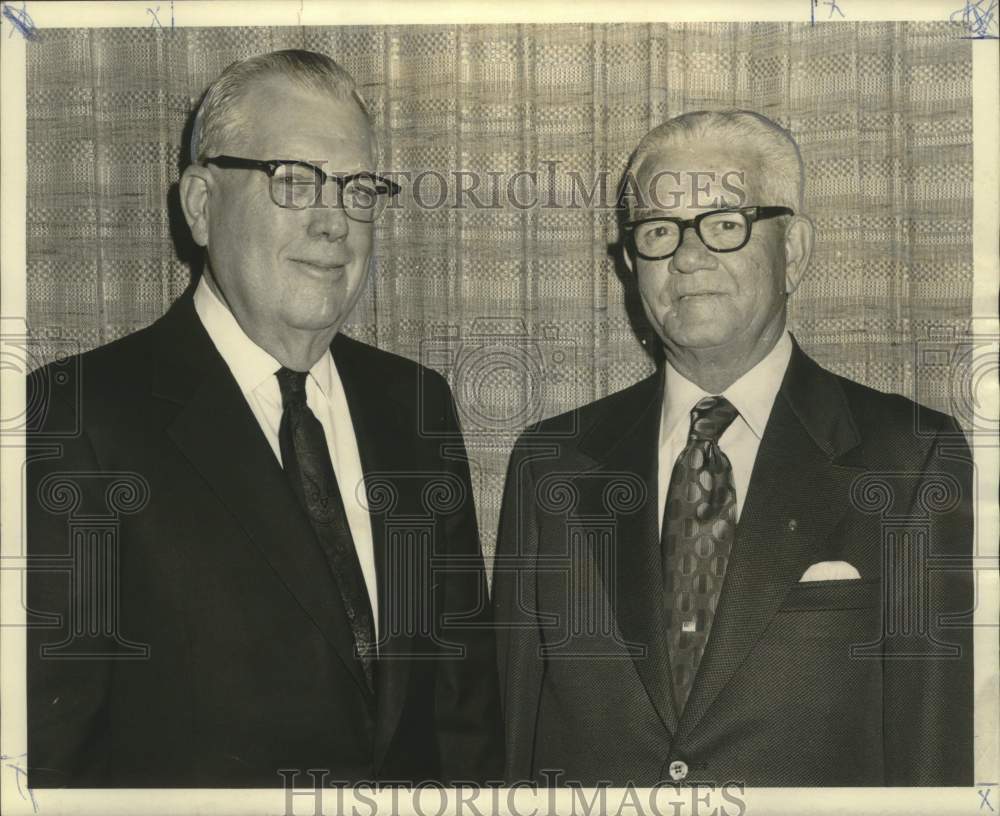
<point>699,526</point>
<point>306,460</point>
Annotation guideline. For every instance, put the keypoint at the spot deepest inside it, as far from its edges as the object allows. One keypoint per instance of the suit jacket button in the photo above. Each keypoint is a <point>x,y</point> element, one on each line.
<point>678,770</point>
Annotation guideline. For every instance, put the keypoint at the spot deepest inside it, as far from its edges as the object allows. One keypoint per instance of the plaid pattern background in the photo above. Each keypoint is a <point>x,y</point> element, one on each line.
<point>525,309</point>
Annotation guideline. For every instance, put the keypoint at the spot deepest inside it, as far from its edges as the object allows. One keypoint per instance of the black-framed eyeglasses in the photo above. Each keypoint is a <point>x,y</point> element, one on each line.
<point>298,185</point>
<point>719,230</point>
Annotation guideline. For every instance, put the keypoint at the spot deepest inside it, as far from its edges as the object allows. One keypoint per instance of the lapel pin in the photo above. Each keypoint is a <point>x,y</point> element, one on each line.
<point>793,525</point>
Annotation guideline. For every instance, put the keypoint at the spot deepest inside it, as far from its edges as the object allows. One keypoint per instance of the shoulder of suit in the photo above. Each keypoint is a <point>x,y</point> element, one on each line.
<point>125,363</point>
<point>893,423</point>
<point>418,391</point>
<point>122,364</point>
<point>345,344</point>
<point>394,370</point>
<point>107,387</point>
<point>578,421</point>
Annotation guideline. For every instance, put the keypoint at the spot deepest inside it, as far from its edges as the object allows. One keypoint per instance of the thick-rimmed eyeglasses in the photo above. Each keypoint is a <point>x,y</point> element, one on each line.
<point>655,239</point>
<point>298,185</point>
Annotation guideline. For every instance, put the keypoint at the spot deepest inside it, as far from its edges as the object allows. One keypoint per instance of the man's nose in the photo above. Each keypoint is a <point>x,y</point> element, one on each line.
<point>691,254</point>
<point>328,221</point>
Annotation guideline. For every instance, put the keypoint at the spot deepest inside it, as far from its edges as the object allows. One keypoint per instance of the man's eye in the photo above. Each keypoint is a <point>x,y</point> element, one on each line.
<point>294,176</point>
<point>726,224</point>
<point>720,225</point>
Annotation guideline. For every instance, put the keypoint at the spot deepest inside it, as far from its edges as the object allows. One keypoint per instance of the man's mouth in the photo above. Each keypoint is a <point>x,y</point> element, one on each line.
<point>690,295</point>
<point>321,266</point>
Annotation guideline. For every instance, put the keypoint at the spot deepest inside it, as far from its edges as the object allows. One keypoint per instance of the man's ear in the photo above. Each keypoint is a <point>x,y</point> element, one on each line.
<point>627,257</point>
<point>799,237</point>
<point>195,186</point>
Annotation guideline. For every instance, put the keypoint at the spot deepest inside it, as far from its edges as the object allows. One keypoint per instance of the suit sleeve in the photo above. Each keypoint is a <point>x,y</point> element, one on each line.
<point>518,637</point>
<point>66,694</point>
<point>467,713</point>
<point>929,700</point>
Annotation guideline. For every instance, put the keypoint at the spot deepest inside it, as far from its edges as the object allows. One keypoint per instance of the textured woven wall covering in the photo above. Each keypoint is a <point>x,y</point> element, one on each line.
<point>523,308</point>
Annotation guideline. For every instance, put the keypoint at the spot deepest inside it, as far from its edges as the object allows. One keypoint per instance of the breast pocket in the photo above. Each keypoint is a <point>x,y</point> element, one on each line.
<point>821,595</point>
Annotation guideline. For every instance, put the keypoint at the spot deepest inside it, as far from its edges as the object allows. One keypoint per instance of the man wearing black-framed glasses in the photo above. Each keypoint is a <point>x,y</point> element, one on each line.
<point>298,185</point>
<point>726,230</point>
<point>290,581</point>
<point>693,584</point>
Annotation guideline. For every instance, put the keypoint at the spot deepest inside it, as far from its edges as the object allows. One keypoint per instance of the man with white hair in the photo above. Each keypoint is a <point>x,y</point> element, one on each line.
<point>702,578</point>
<point>279,594</point>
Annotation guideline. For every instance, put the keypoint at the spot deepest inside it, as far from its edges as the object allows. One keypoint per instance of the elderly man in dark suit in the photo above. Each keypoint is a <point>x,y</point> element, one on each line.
<point>288,523</point>
<point>722,573</point>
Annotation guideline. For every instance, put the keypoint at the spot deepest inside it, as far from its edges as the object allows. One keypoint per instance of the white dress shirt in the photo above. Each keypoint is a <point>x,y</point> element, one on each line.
<point>752,395</point>
<point>254,370</point>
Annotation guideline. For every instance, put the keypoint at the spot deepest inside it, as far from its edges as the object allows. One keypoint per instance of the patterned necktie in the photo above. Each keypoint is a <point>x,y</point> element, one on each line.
<point>306,460</point>
<point>699,526</point>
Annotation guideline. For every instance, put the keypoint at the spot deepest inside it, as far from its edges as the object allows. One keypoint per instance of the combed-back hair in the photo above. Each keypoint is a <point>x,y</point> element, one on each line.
<point>220,116</point>
<point>781,178</point>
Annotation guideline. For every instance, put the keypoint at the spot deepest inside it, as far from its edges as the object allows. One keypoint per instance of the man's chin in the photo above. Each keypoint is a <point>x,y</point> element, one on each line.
<point>317,324</point>
<point>707,333</point>
<point>317,307</point>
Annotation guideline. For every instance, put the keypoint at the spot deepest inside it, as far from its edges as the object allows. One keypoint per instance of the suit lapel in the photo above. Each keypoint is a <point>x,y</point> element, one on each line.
<point>384,432</point>
<point>636,589</point>
<point>797,495</point>
<point>219,435</point>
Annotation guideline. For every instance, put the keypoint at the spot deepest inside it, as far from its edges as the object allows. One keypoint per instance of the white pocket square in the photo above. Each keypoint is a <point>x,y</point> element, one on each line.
<point>830,571</point>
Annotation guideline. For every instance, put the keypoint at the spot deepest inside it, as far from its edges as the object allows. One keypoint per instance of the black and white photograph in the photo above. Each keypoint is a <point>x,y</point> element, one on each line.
<point>470,409</point>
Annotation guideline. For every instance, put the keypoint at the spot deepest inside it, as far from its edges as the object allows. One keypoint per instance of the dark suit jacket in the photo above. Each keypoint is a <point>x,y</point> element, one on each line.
<point>843,473</point>
<point>204,642</point>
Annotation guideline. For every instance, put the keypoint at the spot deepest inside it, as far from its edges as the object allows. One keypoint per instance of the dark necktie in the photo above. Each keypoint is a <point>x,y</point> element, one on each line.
<point>306,460</point>
<point>699,526</point>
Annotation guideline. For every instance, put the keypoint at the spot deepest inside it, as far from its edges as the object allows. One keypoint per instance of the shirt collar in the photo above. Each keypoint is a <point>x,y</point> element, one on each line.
<point>752,394</point>
<point>251,366</point>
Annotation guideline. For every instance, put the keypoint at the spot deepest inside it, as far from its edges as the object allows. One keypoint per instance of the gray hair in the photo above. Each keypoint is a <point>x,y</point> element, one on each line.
<point>782,176</point>
<point>220,118</point>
